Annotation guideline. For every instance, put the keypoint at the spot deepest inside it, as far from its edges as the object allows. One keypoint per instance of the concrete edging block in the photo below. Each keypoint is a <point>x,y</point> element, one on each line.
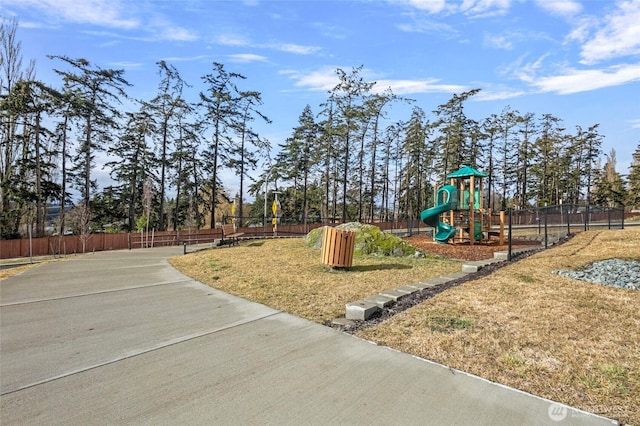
<point>394,294</point>
<point>469,268</point>
<point>361,310</point>
<point>425,284</point>
<point>407,289</point>
<point>380,300</point>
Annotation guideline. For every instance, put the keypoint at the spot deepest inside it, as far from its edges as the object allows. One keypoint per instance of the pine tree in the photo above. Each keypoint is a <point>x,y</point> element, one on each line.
<point>220,102</point>
<point>548,149</point>
<point>418,161</point>
<point>633,193</point>
<point>610,187</point>
<point>527,133</point>
<point>508,151</point>
<point>166,107</point>
<point>97,90</point>
<point>135,162</point>
<point>491,131</point>
<point>452,124</point>
<point>297,157</point>
<point>348,96</point>
<point>244,156</point>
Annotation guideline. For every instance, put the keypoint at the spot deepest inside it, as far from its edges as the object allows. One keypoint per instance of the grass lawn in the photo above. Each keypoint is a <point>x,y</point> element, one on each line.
<point>570,341</point>
<point>10,272</point>
<point>288,276</point>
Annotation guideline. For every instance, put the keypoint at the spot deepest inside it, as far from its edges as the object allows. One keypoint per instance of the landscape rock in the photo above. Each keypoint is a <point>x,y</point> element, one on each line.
<point>612,272</point>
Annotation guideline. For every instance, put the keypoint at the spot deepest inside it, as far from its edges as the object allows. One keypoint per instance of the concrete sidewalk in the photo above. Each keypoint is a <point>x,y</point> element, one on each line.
<point>123,338</point>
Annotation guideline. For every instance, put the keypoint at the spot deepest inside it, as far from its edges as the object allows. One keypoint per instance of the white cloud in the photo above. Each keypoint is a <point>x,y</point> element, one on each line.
<point>108,13</point>
<point>231,40</point>
<point>523,71</point>
<point>497,94</point>
<point>499,41</point>
<point>177,34</point>
<point>427,26</point>
<point>246,57</point>
<point>126,65</point>
<point>294,48</point>
<point>560,7</point>
<point>323,79</point>
<point>619,35</point>
<point>635,123</point>
<point>239,41</point>
<point>575,81</point>
<point>431,6</point>
<point>407,87</point>
<point>482,8</point>
<point>198,58</point>
<point>582,29</point>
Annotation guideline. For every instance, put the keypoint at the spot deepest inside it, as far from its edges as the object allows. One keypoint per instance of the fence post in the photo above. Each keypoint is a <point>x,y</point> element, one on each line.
<point>546,211</point>
<point>509,238</point>
<point>586,216</point>
<point>623,218</point>
<point>609,217</point>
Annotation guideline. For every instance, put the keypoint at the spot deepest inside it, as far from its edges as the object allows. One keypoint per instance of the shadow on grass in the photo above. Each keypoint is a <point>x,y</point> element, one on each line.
<point>366,268</point>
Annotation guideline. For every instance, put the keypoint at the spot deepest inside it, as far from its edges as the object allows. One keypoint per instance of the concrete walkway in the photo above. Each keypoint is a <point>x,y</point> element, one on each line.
<point>123,338</point>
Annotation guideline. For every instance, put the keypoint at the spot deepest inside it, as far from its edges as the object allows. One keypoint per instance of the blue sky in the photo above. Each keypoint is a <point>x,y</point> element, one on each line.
<point>577,60</point>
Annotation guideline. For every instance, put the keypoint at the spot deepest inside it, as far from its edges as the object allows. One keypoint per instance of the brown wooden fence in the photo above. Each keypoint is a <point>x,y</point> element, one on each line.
<point>99,242</point>
<point>70,244</point>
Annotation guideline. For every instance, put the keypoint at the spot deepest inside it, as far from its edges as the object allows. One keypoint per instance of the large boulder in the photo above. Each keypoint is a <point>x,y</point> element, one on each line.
<point>370,240</point>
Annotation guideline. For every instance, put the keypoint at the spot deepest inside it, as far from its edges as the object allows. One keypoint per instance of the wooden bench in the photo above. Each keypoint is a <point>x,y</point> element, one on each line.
<point>229,233</point>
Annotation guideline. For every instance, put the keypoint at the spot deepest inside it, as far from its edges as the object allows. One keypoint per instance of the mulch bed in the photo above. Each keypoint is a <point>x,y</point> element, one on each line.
<point>463,251</point>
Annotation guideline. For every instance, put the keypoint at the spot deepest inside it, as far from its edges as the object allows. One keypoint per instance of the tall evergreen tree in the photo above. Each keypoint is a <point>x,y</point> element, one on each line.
<point>12,140</point>
<point>527,131</point>
<point>610,187</point>
<point>491,131</point>
<point>135,162</point>
<point>414,170</point>
<point>548,147</point>
<point>221,106</point>
<point>166,107</point>
<point>298,155</point>
<point>188,172</point>
<point>452,124</point>
<point>244,155</point>
<point>98,90</point>
<point>349,95</point>
<point>508,150</point>
<point>633,192</point>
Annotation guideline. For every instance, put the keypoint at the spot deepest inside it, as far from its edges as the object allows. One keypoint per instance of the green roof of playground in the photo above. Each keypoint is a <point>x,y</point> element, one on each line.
<point>466,171</point>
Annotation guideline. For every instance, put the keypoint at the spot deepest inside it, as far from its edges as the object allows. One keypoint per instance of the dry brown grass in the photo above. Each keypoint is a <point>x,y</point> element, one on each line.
<point>288,276</point>
<point>10,272</point>
<point>570,341</point>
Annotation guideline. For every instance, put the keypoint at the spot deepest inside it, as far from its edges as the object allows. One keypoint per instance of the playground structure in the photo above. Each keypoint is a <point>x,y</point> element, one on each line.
<point>459,214</point>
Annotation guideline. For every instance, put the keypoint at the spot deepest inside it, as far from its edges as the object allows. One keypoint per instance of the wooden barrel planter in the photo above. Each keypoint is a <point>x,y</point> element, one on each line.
<point>337,247</point>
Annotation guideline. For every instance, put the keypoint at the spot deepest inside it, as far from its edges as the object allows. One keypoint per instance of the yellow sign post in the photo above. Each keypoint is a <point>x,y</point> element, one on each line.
<point>275,208</point>
<point>233,212</point>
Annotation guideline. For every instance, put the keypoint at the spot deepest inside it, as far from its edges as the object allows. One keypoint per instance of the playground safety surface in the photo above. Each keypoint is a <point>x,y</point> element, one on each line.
<point>463,251</point>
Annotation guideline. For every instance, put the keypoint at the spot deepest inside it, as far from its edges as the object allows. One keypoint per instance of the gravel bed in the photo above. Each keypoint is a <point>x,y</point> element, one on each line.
<point>613,272</point>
